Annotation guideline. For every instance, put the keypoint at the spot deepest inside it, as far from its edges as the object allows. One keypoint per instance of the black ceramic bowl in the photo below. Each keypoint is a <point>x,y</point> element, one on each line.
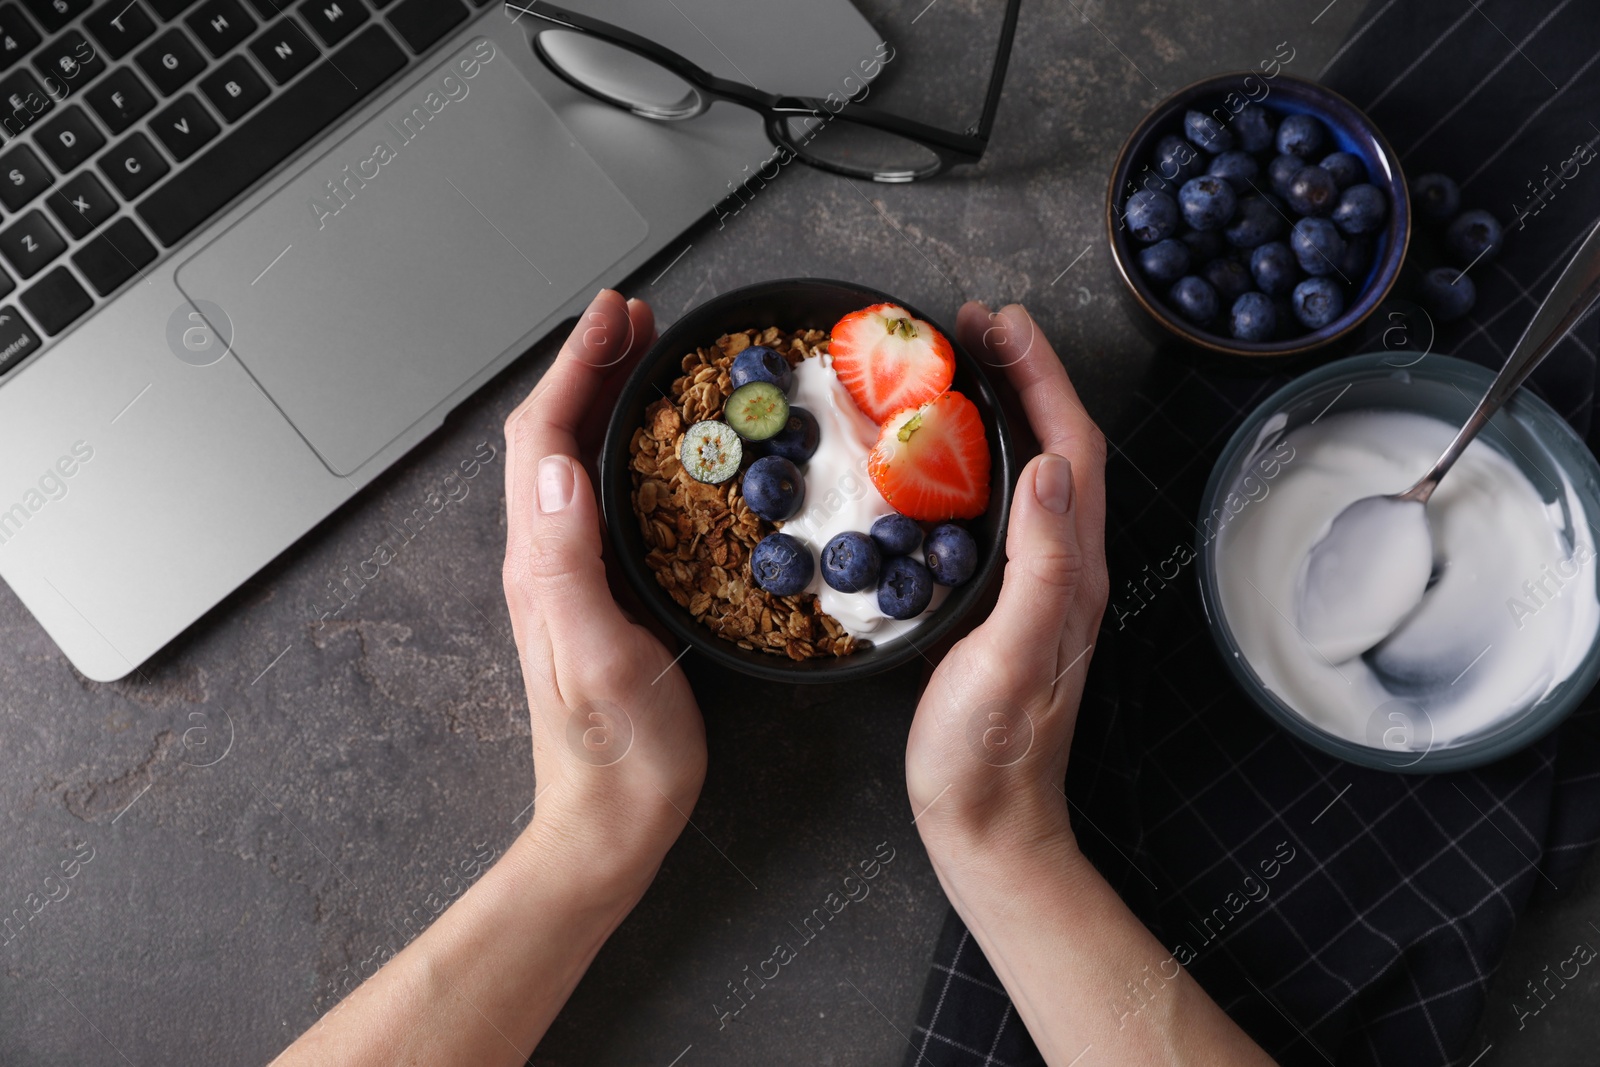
<point>790,304</point>
<point>1282,95</point>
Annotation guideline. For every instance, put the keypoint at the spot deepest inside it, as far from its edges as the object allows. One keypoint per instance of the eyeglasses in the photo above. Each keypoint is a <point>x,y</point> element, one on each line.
<point>837,133</point>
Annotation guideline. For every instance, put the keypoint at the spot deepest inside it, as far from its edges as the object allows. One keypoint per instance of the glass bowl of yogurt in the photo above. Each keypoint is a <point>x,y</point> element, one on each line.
<point>1503,643</point>
<point>838,493</point>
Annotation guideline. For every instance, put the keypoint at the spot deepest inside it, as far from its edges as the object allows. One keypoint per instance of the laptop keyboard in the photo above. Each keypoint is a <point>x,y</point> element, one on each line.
<point>127,124</point>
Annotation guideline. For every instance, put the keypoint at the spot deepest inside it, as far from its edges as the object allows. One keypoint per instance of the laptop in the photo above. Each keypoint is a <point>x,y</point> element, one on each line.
<point>253,251</point>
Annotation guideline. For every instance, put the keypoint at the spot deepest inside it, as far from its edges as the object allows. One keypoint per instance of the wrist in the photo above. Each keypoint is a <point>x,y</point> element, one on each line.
<point>1028,828</point>
<point>611,854</point>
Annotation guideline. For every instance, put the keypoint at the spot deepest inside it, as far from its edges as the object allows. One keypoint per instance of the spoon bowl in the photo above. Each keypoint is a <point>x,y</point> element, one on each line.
<point>1370,569</point>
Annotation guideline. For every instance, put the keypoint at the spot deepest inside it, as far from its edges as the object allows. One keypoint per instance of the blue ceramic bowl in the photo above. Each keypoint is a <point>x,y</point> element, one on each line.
<point>1283,95</point>
<point>1527,431</point>
<point>793,304</point>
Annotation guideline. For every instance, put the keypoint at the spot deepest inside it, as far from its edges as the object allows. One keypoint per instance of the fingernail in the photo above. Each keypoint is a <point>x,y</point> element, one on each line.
<point>1052,483</point>
<point>555,483</point>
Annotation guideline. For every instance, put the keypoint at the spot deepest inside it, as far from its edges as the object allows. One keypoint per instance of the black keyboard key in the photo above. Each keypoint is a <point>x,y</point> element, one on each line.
<point>422,22</point>
<point>56,300</point>
<point>170,61</point>
<point>17,35</point>
<point>54,14</point>
<point>287,121</point>
<point>133,166</point>
<point>22,177</point>
<point>30,243</point>
<point>114,256</point>
<point>271,9</point>
<point>22,102</point>
<point>68,63</point>
<point>81,204</point>
<point>168,10</point>
<point>120,99</point>
<point>70,138</point>
<point>17,339</point>
<point>184,126</point>
<point>284,50</point>
<point>333,20</point>
<point>119,25</point>
<point>220,24</point>
<point>234,88</point>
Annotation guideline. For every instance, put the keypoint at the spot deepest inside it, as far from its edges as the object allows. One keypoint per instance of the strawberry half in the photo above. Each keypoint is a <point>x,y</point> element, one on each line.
<point>931,462</point>
<point>889,360</point>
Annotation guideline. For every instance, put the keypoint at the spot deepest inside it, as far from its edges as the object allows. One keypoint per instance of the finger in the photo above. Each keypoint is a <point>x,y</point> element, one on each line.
<point>543,425</point>
<point>1044,569</point>
<point>1012,339</point>
<point>592,429</point>
<point>554,571</point>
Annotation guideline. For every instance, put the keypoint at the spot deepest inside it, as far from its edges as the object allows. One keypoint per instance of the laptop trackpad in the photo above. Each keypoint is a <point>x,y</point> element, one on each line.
<point>408,257</point>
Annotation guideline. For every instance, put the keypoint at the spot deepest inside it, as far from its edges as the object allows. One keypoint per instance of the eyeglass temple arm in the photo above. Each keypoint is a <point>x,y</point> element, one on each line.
<point>696,75</point>
<point>997,78</point>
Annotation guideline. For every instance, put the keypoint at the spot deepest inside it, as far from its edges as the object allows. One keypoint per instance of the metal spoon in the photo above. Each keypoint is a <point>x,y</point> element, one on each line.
<point>1369,571</point>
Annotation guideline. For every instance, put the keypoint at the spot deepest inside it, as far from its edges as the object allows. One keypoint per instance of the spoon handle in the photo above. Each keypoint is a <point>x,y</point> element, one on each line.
<point>1573,294</point>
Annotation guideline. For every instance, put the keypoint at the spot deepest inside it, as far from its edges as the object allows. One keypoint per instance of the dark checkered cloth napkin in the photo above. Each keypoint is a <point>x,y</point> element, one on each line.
<point>1376,941</point>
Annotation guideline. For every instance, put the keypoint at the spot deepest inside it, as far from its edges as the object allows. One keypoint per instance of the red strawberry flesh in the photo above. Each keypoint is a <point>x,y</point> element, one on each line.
<point>889,360</point>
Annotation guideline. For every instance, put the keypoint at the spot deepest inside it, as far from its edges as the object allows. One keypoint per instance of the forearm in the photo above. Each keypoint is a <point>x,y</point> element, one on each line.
<point>483,983</point>
<point>1079,966</point>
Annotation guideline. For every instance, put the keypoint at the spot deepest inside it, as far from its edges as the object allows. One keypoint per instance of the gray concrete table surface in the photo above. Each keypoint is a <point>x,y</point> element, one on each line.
<point>272,807</point>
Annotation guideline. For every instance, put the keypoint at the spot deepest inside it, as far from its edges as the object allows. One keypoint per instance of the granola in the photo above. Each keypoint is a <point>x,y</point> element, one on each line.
<point>700,536</point>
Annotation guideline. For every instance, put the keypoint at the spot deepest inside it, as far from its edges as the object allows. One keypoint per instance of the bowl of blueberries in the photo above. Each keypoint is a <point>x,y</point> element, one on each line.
<point>1257,216</point>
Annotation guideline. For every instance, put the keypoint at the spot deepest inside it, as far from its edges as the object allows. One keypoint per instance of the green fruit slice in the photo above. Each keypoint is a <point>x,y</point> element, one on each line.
<point>757,410</point>
<point>711,451</point>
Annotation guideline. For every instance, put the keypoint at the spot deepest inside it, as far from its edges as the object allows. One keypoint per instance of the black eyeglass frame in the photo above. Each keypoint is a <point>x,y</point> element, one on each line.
<point>950,148</point>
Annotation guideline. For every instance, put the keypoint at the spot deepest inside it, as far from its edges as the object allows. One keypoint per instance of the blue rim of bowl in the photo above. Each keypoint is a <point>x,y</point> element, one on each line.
<point>1530,725</point>
<point>1381,276</point>
<point>617,507</point>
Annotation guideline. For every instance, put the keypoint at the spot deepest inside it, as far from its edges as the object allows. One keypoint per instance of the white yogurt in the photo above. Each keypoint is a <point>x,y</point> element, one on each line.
<point>840,496</point>
<point>1511,613</point>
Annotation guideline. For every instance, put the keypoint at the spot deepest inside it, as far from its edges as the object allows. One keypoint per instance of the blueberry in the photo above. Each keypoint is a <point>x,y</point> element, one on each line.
<point>1317,302</point>
<point>1474,235</point>
<point>1435,197</point>
<point>781,564</point>
<point>1229,277</point>
<point>1207,132</point>
<point>1318,246</point>
<point>1300,135</point>
<point>904,588</point>
<point>850,562</point>
<point>1346,168</point>
<point>758,363</point>
<point>1207,202</point>
<point>1238,169</point>
<point>1312,191</point>
<point>1177,160</point>
<point>1281,171</point>
<point>1194,299</point>
<point>1253,318</point>
<point>1204,245</point>
<point>1253,127</point>
<point>1274,268</point>
<point>1357,258</point>
<point>799,438</point>
<point>951,554</point>
<point>896,534</point>
<point>1448,293</point>
<point>1255,222</point>
<point>1165,261</point>
<point>1151,216</point>
<point>1361,209</point>
<point>774,488</point>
